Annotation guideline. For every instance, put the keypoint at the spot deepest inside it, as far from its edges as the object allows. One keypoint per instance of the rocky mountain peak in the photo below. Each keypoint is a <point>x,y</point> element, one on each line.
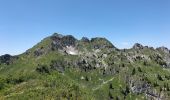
<point>78,68</point>
<point>164,49</point>
<point>138,46</point>
<point>69,40</point>
<point>100,43</point>
<point>57,35</point>
<point>70,43</point>
<point>85,39</point>
<point>60,41</point>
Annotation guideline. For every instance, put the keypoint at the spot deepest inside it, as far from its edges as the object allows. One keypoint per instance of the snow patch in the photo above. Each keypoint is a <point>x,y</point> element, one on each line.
<point>71,50</point>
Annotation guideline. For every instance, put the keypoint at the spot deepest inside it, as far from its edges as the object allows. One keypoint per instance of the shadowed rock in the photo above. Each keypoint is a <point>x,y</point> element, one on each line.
<point>58,65</point>
<point>164,49</point>
<point>138,46</point>
<point>57,35</point>
<point>60,41</point>
<point>140,87</point>
<point>38,52</point>
<point>68,40</point>
<point>85,39</point>
<point>5,59</point>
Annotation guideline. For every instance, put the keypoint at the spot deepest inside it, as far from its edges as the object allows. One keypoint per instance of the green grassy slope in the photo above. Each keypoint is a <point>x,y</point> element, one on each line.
<point>99,72</point>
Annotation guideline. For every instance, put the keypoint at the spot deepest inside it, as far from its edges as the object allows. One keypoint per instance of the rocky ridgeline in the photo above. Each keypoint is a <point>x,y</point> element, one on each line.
<point>138,46</point>
<point>102,57</point>
<point>60,41</point>
<point>91,50</point>
<point>160,55</point>
<point>7,59</point>
<point>163,49</point>
<point>71,45</point>
<point>97,54</point>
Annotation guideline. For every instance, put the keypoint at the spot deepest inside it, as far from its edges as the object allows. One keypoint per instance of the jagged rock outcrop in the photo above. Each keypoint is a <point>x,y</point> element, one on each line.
<point>140,87</point>
<point>163,49</point>
<point>85,39</point>
<point>39,52</point>
<point>138,46</point>
<point>60,41</point>
<point>71,45</point>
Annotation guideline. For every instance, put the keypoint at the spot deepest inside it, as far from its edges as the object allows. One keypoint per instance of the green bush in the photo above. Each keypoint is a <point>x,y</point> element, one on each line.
<point>43,69</point>
<point>2,83</point>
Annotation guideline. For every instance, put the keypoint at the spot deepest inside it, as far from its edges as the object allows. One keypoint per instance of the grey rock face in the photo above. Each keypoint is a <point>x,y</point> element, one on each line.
<point>151,95</point>
<point>168,65</point>
<point>38,52</point>
<point>140,87</point>
<point>85,39</point>
<point>57,35</point>
<point>164,49</point>
<point>68,40</point>
<point>138,46</point>
<point>84,65</point>
<point>62,41</point>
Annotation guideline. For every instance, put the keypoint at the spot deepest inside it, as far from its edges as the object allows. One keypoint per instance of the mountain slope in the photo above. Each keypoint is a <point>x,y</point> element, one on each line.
<point>62,67</point>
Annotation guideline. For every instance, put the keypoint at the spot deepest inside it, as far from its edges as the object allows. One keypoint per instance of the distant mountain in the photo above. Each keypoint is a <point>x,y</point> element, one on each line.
<point>62,67</point>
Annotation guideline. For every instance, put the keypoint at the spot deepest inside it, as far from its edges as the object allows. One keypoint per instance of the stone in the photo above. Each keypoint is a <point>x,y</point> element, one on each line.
<point>164,49</point>
<point>138,46</point>
<point>85,39</point>
<point>38,52</point>
<point>71,50</point>
<point>140,87</point>
<point>57,35</point>
<point>68,40</point>
<point>59,42</point>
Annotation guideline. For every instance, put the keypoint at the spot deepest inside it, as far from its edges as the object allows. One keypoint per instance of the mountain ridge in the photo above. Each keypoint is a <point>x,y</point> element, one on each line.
<point>88,39</point>
<point>64,67</point>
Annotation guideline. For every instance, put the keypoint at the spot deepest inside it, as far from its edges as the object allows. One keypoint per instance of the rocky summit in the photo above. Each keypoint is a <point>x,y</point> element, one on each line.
<point>65,68</point>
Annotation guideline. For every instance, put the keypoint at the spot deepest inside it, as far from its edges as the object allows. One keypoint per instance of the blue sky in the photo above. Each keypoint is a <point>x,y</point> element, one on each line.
<point>23,23</point>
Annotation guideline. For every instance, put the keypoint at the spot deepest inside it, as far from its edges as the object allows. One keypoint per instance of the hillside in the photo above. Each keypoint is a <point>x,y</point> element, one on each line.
<point>64,68</point>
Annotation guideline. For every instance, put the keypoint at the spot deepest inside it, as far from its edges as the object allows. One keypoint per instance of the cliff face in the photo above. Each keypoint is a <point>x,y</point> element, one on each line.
<point>63,67</point>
